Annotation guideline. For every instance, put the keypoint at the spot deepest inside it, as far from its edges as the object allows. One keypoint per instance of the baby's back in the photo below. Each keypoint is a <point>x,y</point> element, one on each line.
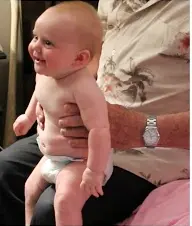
<point>52,95</point>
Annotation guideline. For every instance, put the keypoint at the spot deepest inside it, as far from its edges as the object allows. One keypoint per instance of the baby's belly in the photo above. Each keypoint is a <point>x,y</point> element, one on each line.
<point>51,142</point>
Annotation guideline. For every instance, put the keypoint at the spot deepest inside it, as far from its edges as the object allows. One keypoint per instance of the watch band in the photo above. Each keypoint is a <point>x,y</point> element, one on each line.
<point>152,120</point>
<point>151,135</point>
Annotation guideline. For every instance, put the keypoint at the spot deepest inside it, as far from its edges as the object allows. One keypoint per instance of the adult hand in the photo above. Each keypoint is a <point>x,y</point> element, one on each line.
<point>40,116</point>
<point>72,127</point>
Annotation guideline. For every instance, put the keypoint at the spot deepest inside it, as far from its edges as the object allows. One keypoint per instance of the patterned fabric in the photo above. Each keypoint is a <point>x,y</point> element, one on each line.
<point>145,65</point>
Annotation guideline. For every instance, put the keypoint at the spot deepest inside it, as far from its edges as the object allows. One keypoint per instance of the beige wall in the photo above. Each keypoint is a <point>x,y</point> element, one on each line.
<point>5,22</point>
<point>5,28</point>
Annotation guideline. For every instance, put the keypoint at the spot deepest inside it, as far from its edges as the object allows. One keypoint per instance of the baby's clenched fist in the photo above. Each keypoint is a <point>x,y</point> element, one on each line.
<point>22,125</point>
<point>92,182</point>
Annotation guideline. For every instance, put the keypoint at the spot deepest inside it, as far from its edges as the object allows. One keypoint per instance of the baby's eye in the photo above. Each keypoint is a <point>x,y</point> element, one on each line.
<point>35,38</point>
<point>48,43</point>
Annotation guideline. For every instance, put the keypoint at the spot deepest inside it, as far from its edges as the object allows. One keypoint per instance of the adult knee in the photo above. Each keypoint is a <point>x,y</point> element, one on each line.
<point>11,192</point>
<point>7,172</point>
<point>44,210</point>
<point>17,161</point>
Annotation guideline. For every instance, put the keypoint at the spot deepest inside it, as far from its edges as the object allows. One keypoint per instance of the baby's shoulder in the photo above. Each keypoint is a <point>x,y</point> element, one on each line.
<point>84,76</point>
<point>84,83</point>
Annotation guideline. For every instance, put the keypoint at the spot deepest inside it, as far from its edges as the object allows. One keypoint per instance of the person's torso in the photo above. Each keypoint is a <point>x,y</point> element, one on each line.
<point>145,65</point>
<point>53,95</point>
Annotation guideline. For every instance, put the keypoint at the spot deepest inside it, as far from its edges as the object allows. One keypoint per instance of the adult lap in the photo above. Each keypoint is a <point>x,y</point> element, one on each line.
<point>120,198</point>
<point>16,164</point>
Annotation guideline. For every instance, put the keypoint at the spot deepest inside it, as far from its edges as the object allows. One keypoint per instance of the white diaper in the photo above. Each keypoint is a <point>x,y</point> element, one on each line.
<point>54,164</point>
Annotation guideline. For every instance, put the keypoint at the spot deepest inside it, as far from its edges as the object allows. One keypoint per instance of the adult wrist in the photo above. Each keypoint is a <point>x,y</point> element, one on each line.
<point>126,126</point>
<point>151,134</point>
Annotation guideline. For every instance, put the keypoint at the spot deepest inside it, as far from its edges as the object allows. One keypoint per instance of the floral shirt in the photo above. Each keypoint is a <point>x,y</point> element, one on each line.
<point>145,65</point>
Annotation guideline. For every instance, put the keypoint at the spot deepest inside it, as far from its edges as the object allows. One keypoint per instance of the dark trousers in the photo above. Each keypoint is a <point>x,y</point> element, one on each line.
<point>123,193</point>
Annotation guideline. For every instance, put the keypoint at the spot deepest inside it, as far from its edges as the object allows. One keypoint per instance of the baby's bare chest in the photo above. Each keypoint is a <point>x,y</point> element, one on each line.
<point>53,94</point>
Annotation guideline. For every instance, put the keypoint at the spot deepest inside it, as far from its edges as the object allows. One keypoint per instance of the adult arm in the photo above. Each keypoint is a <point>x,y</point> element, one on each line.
<point>127,127</point>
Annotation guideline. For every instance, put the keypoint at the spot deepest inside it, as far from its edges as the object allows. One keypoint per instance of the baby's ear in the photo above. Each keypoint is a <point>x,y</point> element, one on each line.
<point>82,58</point>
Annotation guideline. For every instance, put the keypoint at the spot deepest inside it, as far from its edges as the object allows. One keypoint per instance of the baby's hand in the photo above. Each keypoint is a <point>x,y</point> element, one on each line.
<point>92,182</point>
<point>22,125</point>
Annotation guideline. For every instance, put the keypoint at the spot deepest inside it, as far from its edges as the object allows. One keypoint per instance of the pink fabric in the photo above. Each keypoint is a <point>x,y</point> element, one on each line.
<point>167,205</point>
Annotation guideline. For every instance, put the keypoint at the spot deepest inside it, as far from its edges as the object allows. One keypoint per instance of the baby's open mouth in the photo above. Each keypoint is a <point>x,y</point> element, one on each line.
<point>38,60</point>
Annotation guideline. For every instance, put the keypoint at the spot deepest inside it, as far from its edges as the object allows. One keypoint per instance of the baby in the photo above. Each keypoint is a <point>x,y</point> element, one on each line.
<point>66,39</point>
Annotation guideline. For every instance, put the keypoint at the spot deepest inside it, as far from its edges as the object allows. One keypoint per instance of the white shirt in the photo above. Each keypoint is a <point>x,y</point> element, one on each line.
<point>145,65</point>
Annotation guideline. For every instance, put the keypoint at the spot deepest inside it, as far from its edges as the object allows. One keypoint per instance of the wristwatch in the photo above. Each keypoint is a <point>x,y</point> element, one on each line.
<point>151,135</point>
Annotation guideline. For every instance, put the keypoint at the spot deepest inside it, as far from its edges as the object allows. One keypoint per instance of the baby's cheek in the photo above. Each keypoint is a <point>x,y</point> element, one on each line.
<point>53,64</point>
<point>30,49</point>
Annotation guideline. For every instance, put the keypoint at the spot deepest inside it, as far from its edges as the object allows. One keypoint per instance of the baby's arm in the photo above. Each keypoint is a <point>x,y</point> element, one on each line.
<point>93,110</point>
<point>25,121</point>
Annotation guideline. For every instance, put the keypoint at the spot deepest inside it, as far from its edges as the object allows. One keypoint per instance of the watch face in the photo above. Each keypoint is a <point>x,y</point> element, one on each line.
<point>151,136</point>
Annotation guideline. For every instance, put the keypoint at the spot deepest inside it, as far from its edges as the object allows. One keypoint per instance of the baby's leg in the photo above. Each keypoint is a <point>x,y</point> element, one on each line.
<point>69,198</point>
<point>34,186</point>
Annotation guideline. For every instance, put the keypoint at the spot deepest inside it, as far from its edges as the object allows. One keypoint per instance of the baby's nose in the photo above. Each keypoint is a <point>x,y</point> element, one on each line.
<point>36,52</point>
<point>36,46</point>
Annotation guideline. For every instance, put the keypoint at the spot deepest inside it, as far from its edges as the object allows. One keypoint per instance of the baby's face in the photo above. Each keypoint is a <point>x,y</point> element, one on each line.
<point>52,48</point>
